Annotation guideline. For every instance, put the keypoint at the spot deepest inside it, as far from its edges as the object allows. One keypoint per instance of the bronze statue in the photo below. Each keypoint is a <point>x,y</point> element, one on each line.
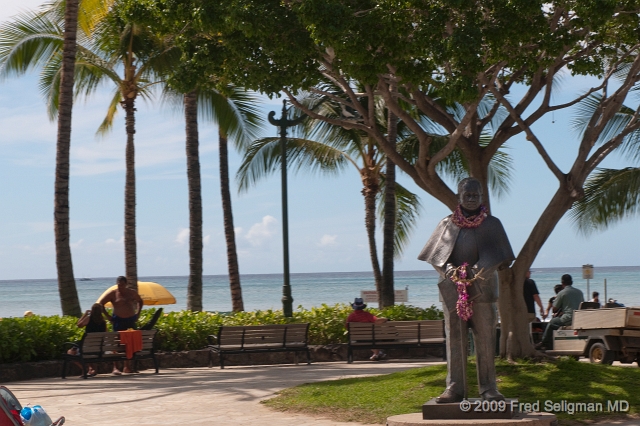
<point>467,248</point>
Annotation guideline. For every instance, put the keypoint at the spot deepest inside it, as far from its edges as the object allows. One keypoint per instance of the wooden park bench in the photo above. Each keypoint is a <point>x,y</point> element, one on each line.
<point>259,338</point>
<point>396,334</point>
<point>106,347</point>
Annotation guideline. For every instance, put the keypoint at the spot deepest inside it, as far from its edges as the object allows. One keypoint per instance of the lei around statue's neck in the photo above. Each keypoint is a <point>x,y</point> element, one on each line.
<point>470,219</point>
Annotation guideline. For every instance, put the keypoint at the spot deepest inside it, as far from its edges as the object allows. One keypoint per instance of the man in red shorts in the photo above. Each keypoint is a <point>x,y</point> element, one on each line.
<point>360,315</point>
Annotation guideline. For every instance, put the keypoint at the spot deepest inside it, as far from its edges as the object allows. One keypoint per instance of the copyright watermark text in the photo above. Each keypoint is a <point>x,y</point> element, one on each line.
<point>548,406</point>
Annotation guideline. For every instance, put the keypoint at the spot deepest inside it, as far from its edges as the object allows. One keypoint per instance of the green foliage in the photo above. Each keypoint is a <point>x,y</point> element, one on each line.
<point>41,338</point>
<point>400,393</point>
<point>36,337</point>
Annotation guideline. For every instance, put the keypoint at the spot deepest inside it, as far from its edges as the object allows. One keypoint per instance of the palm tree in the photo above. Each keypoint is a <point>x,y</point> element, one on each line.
<point>144,57</point>
<point>194,287</point>
<point>114,45</point>
<point>66,281</point>
<point>234,111</point>
<point>18,53</point>
<point>330,149</point>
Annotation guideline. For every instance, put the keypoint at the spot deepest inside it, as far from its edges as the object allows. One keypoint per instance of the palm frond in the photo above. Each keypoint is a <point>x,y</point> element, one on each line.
<point>107,123</point>
<point>610,196</point>
<point>264,156</point>
<point>588,107</point>
<point>235,111</point>
<point>29,41</point>
<point>500,169</point>
<point>408,208</point>
<point>49,84</point>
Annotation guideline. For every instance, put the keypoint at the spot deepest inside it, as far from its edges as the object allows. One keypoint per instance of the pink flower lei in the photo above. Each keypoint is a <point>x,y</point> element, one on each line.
<point>468,222</point>
<point>464,306</point>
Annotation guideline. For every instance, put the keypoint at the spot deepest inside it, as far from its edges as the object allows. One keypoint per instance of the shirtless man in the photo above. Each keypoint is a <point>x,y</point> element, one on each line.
<point>127,305</point>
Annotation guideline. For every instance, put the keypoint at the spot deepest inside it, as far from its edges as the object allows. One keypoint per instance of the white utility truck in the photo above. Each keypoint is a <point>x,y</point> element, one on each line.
<point>603,335</point>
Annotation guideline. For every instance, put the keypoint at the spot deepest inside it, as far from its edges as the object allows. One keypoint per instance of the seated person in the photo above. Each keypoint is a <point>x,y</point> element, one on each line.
<point>567,301</point>
<point>93,322</point>
<point>360,315</point>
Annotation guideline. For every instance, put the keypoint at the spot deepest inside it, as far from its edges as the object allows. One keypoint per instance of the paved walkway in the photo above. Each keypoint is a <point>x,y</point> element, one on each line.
<point>189,396</point>
<point>194,396</point>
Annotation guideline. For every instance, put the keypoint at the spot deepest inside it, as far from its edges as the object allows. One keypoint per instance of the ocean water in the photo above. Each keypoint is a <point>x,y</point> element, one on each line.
<point>265,291</point>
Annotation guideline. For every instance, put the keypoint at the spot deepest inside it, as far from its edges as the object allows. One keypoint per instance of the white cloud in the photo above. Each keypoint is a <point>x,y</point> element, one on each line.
<point>262,231</point>
<point>328,240</point>
<point>183,236</point>
<point>76,245</point>
<point>206,240</point>
<point>112,241</point>
<point>238,230</point>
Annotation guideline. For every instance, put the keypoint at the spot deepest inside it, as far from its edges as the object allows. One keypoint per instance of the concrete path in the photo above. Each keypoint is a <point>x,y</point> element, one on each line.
<point>195,396</point>
<point>190,396</point>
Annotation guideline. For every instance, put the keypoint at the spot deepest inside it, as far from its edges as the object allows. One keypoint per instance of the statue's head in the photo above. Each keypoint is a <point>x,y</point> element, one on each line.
<point>470,194</point>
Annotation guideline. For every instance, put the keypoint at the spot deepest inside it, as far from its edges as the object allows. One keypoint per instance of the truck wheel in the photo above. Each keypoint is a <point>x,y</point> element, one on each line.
<point>598,354</point>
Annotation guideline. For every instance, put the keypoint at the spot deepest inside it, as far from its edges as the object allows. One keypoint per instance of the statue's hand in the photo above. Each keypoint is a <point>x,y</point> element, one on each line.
<point>473,271</point>
<point>449,270</point>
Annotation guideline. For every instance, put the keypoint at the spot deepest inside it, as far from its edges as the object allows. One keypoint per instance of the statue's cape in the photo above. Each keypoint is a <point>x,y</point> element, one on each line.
<point>494,250</point>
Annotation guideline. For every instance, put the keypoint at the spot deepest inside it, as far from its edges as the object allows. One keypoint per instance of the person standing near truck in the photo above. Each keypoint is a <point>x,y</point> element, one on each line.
<point>531,298</point>
<point>567,301</point>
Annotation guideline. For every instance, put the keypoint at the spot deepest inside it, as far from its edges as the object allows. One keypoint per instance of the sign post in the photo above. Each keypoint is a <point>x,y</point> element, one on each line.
<point>587,274</point>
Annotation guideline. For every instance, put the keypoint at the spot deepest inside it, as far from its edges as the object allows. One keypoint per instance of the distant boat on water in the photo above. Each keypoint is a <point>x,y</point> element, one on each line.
<point>85,279</point>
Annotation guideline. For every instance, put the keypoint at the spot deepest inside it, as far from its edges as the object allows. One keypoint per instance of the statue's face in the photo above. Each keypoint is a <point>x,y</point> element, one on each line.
<point>470,197</point>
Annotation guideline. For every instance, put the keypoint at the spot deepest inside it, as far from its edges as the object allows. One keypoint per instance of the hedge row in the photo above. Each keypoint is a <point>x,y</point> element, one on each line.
<point>38,338</point>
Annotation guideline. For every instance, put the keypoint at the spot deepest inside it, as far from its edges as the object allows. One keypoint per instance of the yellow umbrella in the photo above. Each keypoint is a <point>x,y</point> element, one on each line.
<point>150,292</point>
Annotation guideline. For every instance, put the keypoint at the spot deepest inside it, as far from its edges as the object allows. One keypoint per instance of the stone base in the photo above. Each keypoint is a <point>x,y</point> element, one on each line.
<point>470,409</point>
<point>530,419</point>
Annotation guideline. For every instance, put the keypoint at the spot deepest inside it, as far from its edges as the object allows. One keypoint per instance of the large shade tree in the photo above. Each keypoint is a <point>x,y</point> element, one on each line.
<point>430,55</point>
<point>328,148</point>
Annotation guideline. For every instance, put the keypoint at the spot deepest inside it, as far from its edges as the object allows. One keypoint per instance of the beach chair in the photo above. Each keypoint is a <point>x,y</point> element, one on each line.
<point>153,320</point>
<point>10,410</point>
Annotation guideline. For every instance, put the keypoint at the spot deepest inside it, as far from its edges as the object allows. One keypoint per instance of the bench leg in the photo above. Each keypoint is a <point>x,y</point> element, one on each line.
<point>155,362</point>
<point>308,357</point>
<point>64,368</point>
<point>84,370</point>
<point>349,355</point>
<point>221,361</point>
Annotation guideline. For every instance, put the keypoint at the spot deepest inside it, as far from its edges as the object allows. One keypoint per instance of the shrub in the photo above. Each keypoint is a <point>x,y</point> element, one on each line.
<point>40,338</point>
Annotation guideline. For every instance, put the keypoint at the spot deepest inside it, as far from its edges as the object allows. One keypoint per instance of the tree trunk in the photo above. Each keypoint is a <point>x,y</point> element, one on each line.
<point>386,295</point>
<point>514,340</point>
<point>230,236</point>
<point>130,253</point>
<point>194,289</point>
<point>69,301</point>
<point>369,191</point>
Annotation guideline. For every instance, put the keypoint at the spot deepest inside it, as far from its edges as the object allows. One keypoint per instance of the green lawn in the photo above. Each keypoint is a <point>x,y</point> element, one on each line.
<point>373,399</point>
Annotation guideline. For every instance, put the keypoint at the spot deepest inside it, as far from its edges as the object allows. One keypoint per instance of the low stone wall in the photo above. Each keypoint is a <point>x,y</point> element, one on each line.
<point>200,358</point>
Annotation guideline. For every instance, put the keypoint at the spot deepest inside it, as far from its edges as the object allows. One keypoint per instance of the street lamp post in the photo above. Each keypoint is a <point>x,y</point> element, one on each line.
<point>283,123</point>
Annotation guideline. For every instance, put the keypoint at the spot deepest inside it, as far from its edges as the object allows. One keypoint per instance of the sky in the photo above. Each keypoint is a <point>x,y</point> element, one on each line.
<point>326,214</point>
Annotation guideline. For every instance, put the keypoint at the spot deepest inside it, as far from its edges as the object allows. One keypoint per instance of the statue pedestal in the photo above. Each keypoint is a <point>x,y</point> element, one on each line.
<point>529,419</point>
<point>470,409</point>
<point>473,411</point>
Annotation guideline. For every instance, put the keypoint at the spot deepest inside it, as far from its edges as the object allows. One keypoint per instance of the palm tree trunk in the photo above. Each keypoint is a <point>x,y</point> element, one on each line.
<point>66,282</point>
<point>369,191</point>
<point>194,289</point>
<point>229,232</point>
<point>386,295</point>
<point>130,254</point>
